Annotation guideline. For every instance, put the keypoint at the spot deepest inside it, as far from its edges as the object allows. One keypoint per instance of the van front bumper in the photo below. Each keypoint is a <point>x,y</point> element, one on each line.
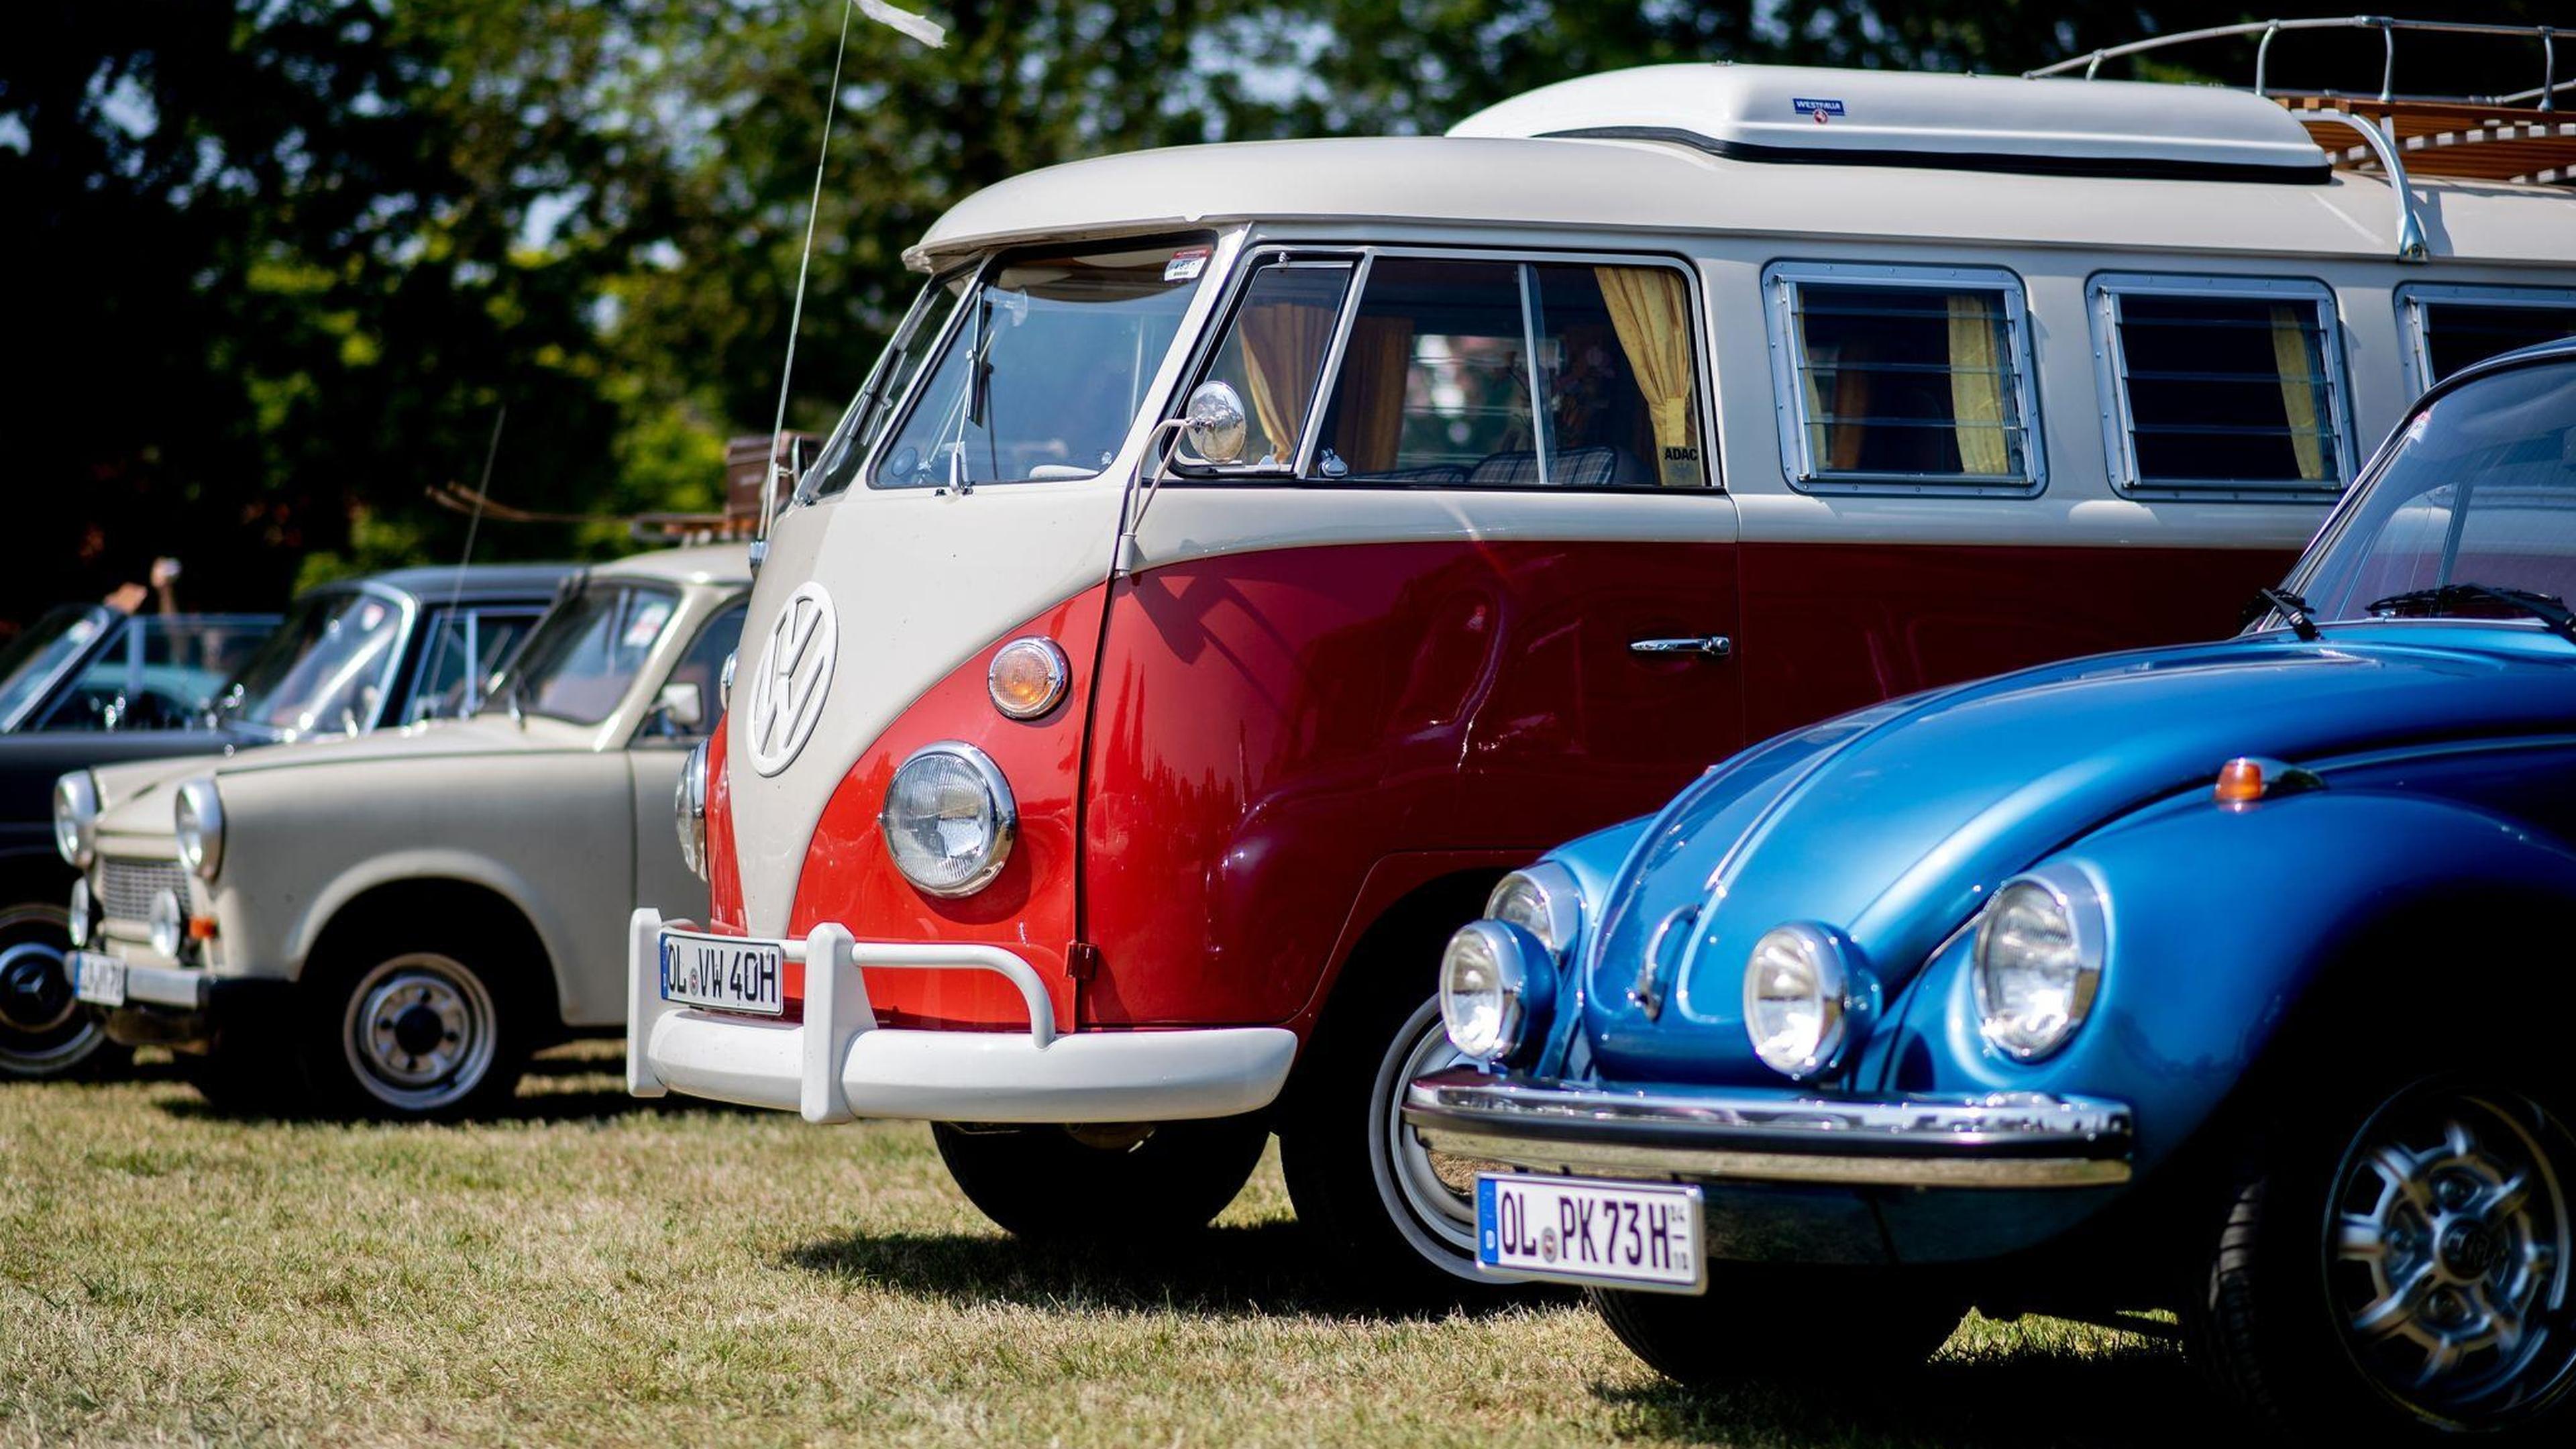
<point>837,1064</point>
<point>1775,1135</point>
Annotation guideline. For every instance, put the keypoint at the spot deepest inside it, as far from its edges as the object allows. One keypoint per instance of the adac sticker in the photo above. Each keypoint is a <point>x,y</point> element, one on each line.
<point>1818,110</point>
<point>1186,265</point>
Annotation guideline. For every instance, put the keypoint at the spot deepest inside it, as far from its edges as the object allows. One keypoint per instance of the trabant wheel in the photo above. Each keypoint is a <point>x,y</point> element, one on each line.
<point>416,1034</point>
<point>1762,1321</point>
<point>2420,1281</point>
<point>1112,1182</point>
<point>45,1032</point>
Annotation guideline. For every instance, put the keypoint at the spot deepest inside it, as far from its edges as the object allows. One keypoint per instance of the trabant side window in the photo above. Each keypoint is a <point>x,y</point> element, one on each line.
<point>466,648</point>
<point>2451,327</point>
<point>582,659</point>
<point>2221,387</point>
<point>1046,367</point>
<point>869,412</point>
<point>1906,378</point>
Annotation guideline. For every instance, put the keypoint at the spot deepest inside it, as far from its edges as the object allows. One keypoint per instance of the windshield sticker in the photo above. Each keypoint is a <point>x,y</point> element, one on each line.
<point>647,625</point>
<point>1186,265</point>
<point>1819,110</point>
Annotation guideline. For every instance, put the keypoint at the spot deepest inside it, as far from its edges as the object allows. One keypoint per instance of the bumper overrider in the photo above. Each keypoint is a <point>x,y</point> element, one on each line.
<point>837,1063</point>
<point>1779,1135</point>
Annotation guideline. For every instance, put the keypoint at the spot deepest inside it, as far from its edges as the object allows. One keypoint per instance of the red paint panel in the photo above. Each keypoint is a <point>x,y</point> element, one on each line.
<point>725,912</point>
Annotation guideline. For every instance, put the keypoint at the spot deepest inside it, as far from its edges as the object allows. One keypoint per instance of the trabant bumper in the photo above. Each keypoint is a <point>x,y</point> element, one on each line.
<point>837,1064</point>
<point>1779,1135</point>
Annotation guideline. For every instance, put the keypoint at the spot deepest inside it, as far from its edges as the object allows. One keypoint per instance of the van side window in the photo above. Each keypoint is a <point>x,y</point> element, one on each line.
<point>2451,327</point>
<point>2221,387</point>
<point>1273,355</point>
<point>1902,378</point>
<point>1503,374</point>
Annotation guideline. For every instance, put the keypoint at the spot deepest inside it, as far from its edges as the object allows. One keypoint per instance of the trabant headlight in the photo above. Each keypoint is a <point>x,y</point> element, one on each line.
<point>199,815</point>
<point>1495,979</point>
<point>1805,999</point>
<point>83,918</point>
<point>949,819</point>
<point>1543,900</point>
<point>167,923</point>
<point>689,805</point>
<point>2038,961</point>
<point>76,818</point>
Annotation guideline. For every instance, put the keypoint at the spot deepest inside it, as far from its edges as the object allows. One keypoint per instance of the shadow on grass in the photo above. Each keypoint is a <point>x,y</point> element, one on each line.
<point>1265,1269</point>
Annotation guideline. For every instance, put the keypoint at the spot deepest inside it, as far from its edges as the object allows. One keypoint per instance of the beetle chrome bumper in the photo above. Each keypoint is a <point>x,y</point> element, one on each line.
<point>2003,1140</point>
<point>837,1064</point>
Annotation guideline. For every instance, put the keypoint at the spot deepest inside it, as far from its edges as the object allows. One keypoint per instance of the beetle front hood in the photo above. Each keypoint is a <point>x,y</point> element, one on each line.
<point>1893,826</point>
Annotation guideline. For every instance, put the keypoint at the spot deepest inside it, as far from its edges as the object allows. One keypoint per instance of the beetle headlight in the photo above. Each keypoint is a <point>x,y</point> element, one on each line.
<point>1543,900</point>
<point>76,818</point>
<point>2038,961</point>
<point>199,815</point>
<point>167,923</point>
<point>689,806</point>
<point>1495,979</point>
<point>1805,999</point>
<point>949,819</point>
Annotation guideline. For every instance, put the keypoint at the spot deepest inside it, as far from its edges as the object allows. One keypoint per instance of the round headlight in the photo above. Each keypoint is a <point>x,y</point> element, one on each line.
<point>199,814</point>
<point>1028,677</point>
<point>78,928</point>
<point>167,923</point>
<point>1543,900</point>
<point>724,680</point>
<point>689,807</point>
<point>1494,980</point>
<point>2038,961</point>
<point>949,819</point>
<point>1804,999</point>
<point>75,815</point>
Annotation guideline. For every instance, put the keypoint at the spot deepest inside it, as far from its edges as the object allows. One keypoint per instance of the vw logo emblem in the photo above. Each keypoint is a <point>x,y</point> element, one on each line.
<point>795,670</point>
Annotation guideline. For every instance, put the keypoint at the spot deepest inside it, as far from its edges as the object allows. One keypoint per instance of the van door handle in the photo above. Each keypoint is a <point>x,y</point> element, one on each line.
<point>1713,646</point>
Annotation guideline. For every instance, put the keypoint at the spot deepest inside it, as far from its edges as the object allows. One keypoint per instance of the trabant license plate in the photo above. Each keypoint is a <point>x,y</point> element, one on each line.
<point>1616,1234</point>
<point>727,973</point>
<point>97,979</point>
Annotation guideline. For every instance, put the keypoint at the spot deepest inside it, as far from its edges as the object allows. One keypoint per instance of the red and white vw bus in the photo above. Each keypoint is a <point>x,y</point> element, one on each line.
<point>1243,555</point>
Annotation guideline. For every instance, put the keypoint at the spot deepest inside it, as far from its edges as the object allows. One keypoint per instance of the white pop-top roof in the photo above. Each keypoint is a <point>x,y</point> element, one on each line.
<point>1901,118</point>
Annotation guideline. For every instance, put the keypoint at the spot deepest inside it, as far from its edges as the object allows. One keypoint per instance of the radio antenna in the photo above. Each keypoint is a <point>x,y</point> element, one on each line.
<point>456,591</point>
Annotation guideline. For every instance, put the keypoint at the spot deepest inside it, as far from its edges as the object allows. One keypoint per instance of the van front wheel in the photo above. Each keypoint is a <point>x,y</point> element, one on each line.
<point>1107,1182</point>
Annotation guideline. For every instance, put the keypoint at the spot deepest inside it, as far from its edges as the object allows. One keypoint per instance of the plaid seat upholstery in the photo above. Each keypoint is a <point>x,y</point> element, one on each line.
<point>1572,468</point>
<point>1438,475</point>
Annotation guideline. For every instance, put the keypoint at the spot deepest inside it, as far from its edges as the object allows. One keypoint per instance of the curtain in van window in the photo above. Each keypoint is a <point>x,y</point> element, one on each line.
<point>2299,372</point>
<point>1650,310</point>
<point>1976,386</point>
<point>1371,427</point>
<point>1283,352</point>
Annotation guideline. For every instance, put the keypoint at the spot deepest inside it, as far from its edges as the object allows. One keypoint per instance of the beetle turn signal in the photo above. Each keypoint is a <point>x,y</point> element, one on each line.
<point>2240,781</point>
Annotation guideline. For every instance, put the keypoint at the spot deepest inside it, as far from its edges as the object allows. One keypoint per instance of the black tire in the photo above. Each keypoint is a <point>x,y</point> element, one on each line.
<point>46,1035</point>
<point>1362,1183</point>
<point>1762,1321</point>
<point>2341,1200</point>
<point>1105,1184</point>
<point>417,1031</point>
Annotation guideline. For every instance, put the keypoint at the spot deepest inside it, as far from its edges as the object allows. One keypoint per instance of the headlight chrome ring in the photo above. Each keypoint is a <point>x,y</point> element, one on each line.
<point>689,809</point>
<point>1807,998</point>
<point>1544,900</point>
<point>1496,979</point>
<point>2040,947</point>
<point>198,815</point>
<point>949,820</point>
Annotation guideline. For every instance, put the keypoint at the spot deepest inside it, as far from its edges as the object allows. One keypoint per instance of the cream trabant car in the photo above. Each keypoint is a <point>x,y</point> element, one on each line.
<point>388,925</point>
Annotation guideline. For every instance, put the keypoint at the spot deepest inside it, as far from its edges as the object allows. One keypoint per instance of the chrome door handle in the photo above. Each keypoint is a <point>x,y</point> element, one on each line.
<point>1714,646</point>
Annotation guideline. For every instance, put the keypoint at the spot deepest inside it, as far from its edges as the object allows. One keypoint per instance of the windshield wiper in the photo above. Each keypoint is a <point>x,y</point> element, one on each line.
<point>510,701</point>
<point>2547,608</point>
<point>2293,608</point>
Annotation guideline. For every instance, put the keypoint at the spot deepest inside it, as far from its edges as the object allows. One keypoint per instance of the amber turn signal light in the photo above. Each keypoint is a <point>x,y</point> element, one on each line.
<point>201,928</point>
<point>2240,782</point>
<point>1028,677</point>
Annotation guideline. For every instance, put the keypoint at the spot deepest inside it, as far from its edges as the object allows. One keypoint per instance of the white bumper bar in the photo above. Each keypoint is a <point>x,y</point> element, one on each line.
<point>838,1064</point>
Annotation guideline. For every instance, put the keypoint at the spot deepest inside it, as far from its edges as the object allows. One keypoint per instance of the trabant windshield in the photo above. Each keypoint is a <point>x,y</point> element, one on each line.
<point>1045,369</point>
<point>2480,492</point>
<point>33,659</point>
<point>323,671</point>
<point>583,659</point>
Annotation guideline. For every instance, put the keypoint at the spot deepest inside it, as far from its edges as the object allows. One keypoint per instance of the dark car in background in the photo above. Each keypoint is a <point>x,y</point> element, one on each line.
<point>91,667</point>
<point>390,649</point>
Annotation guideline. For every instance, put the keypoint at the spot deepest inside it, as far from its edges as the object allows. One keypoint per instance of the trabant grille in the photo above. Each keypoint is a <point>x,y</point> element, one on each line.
<point>126,887</point>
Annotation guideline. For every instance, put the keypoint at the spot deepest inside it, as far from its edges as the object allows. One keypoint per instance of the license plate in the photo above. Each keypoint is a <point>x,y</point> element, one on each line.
<point>97,979</point>
<point>1617,1234</point>
<point>726,973</point>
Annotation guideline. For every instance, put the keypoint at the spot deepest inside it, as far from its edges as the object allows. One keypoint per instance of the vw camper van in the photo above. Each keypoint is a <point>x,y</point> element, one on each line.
<point>1244,555</point>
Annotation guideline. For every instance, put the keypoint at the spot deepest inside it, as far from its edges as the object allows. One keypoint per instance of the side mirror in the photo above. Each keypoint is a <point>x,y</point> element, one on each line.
<point>682,706</point>
<point>1214,423</point>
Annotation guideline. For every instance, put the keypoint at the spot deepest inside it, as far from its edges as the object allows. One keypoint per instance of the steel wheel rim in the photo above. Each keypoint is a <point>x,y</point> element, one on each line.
<point>2448,1245</point>
<point>420,1032</point>
<point>58,1031</point>
<point>1423,1192</point>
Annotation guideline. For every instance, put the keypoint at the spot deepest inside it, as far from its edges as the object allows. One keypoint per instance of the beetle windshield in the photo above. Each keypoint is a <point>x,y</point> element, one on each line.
<point>2476,502</point>
<point>1045,370</point>
<point>324,671</point>
<point>34,659</point>
<point>583,659</point>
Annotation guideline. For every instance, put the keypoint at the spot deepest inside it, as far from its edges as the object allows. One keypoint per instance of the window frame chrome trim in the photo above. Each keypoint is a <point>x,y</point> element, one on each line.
<point>2414,298</point>
<point>2102,290</point>
<point>1781,278</point>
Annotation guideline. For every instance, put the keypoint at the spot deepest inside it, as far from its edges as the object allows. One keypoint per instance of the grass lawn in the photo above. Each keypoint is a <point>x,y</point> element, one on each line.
<point>601,1271</point>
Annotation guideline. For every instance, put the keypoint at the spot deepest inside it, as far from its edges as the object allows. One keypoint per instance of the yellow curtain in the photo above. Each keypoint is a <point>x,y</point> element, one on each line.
<point>1976,387</point>
<point>1650,310</point>
<point>1283,351</point>
<point>1375,368</point>
<point>2298,391</point>
<point>1839,430</point>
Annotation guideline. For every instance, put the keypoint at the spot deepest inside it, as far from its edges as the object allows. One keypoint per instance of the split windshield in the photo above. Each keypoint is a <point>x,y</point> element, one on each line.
<point>2480,491</point>
<point>583,659</point>
<point>33,659</point>
<point>324,671</point>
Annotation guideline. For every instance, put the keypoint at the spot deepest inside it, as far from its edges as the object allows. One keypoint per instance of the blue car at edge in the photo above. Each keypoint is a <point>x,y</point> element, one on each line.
<point>2235,979</point>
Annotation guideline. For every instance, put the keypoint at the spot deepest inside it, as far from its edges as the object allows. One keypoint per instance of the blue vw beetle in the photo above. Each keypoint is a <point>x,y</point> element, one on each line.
<point>2237,979</point>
